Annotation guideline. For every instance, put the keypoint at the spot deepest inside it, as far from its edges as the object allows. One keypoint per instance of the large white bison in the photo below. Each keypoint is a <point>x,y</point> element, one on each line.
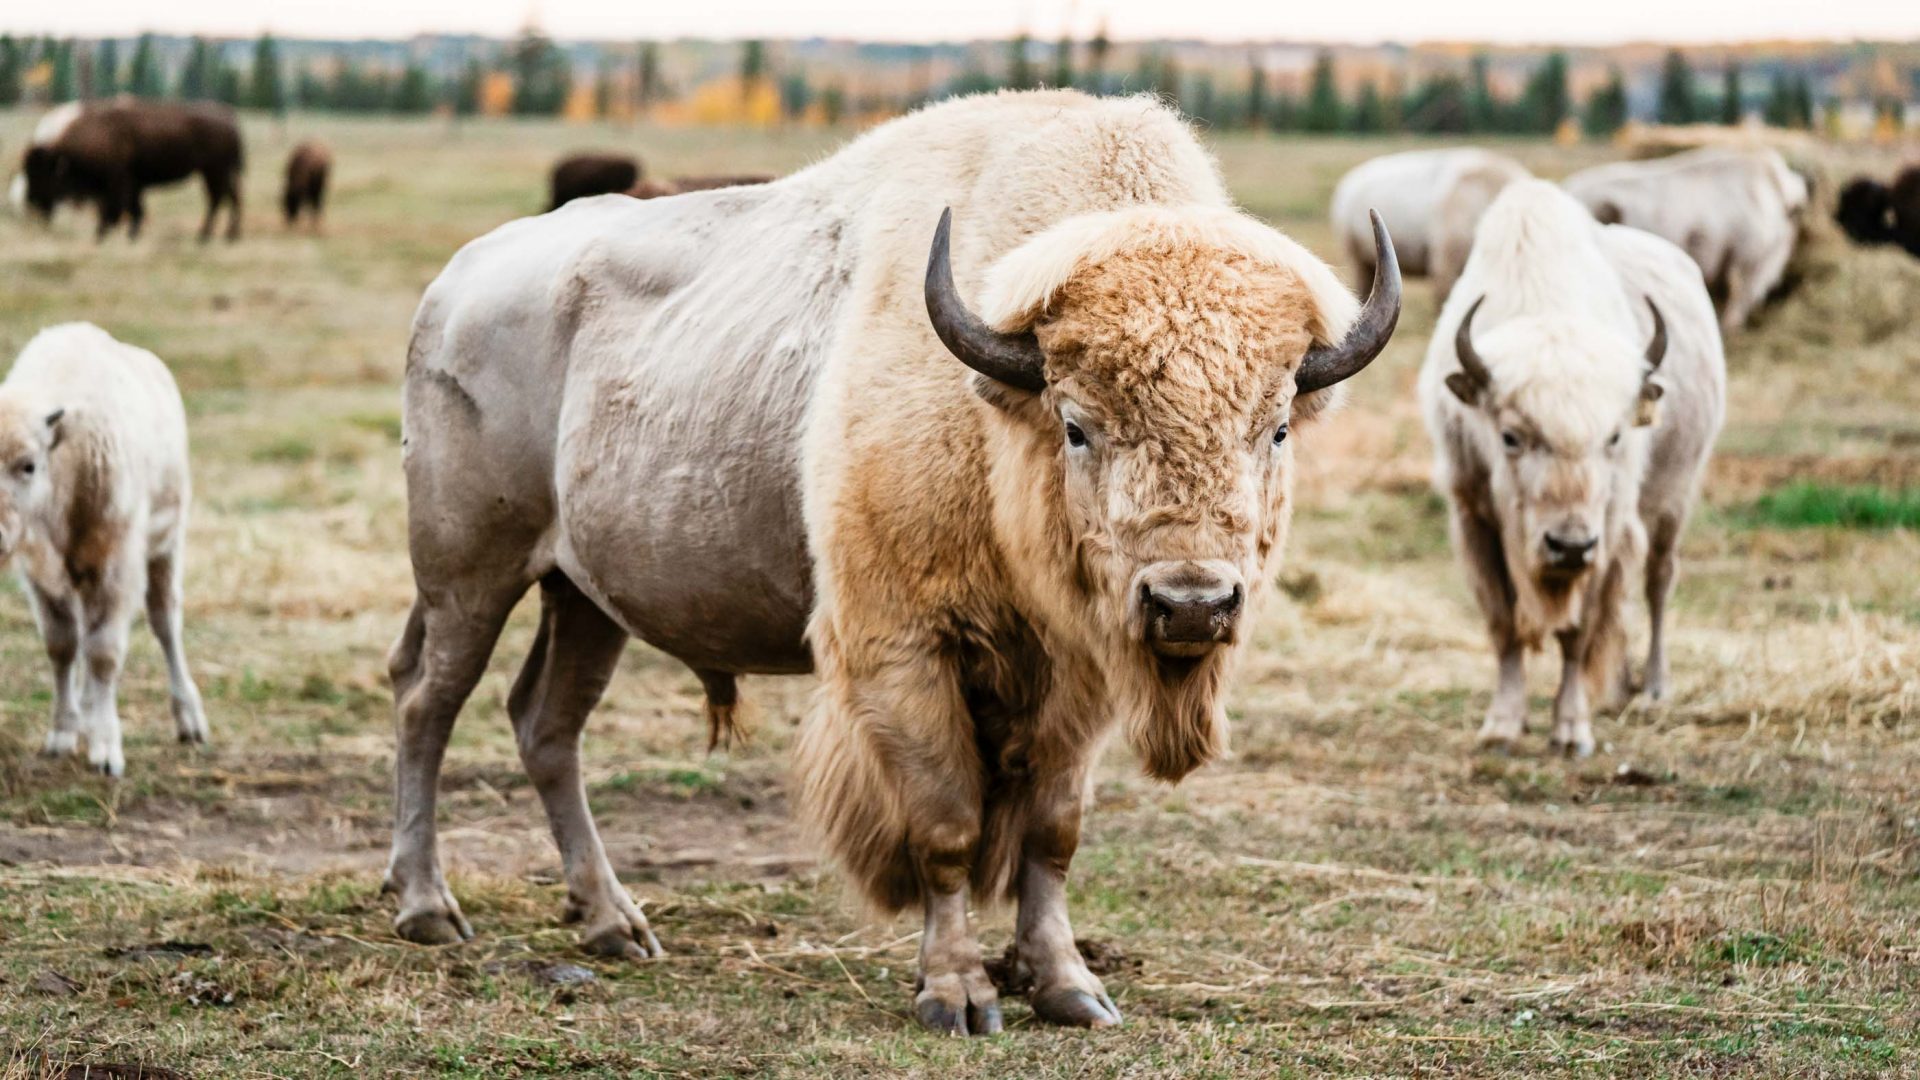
<point>1735,211</point>
<point>1573,389</point>
<point>1432,199</point>
<point>732,423</point>
<point>94,490</point>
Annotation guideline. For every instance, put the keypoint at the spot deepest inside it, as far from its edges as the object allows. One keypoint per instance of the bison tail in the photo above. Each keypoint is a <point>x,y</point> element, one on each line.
<point>722,710</point>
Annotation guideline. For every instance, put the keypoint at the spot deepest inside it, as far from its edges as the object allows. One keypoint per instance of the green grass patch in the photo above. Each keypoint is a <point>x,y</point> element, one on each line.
<point>1809,504</point>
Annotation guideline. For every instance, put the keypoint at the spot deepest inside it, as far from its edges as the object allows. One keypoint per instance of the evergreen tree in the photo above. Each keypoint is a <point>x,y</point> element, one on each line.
<point>1324,112</point>
<point>64,86</point>
<point>466,92</point>
<point>265,89</point>
<point>106,69</point>
<point>796,93</point>
<point>1369,113</point>
<point>753,65</point>
<point>309,92</point>
<point>1019,69</point>
<point>13,62</point>
<point>1732,100</point>
<point>1483,109</point>
<point>1606,108</point>
<point>1202,103</point>
<point>1441,105</point>
<point>143,77</point>
<point>1678,103</point>
<point>646,76</point>
<point>227,87</point>
<point>1063,62</point>
<point>415,92</point>
<point>833,103</point>
<point>1546,102</point>
<point>1097,51</point>
<point>196,79</point>
<point>1256,95</point>
<point>541,79</point>
<point>1285,112</point>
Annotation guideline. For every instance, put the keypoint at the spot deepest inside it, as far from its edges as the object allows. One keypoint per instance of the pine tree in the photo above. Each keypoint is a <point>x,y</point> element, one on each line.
<point>1285,112</point>
<point>796,93</point>
<point>196,79</point>
<point>1369,113</point>
<point>1256,95</point>
<point>753,65</point>
<point>1019,69</point>
<point>13,61</point>
<point>1483,109</point>
<point>1732,100</point>
<point>646,76</point>
<point>1546,102</point>
<point>1324,112</point>
<point>415,92</point>
<point>1606,108</point>
<point>1063,62</point>
<point>1442,105</point>
<point>265,89</point>
<point>64,86</point>
<point>106,69</point>
<point>541,79</point>
<point>1097,51</point>
<point>1678,103</point>
<point>143,77</point>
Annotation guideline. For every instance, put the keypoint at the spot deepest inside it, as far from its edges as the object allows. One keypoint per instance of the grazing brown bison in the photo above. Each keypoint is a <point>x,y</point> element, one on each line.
<point>581,175</point>
<point>306,191</point>
<point>680,185</point>
<point>1010,480</point>
<point>1875,213</point>
<point>109,153</point>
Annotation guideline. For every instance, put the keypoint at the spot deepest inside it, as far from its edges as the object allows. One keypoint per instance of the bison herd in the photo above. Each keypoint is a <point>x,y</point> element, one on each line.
<point>990,420</point>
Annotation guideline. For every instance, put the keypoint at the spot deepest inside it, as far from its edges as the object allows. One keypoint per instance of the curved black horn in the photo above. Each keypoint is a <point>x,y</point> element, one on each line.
<point>1323,367</point>
<point>1657,348</point>
<point>1470,361</point>
<point>1014,359</point>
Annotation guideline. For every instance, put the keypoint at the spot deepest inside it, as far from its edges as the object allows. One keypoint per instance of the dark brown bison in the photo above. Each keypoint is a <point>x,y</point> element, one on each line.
<point>581,175</point>
<point>307,169</point>
<point>654,189</point>
<point>109,153</point>
<point>1875,213</point>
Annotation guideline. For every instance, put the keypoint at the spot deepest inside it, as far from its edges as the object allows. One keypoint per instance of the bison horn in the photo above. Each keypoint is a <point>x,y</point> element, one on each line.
<point>1323,367</point>
<point>1013,359</point>
<point>1657,348</point>
<point>1470,361</point>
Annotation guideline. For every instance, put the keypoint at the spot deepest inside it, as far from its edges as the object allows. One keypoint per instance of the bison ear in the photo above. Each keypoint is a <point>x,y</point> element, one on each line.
<point>54,427</point>
<point>1647,411</point>
<point>1465,387</point>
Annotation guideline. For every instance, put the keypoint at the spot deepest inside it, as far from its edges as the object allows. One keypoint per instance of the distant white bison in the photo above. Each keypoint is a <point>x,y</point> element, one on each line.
<point>93,502</point>
<point>1735,211</point>
<point>1573,389</point>
<point>1431,199</point>
<point>1008,476</point>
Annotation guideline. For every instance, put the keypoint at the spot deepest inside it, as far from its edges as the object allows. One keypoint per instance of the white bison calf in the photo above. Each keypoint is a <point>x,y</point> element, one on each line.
<point>1573,389</point>
<point>1431,199</point>
<point>1736,212</point>
<point>93,444</point>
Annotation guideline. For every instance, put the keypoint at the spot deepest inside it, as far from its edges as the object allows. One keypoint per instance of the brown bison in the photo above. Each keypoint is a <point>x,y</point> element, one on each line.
<point>581,175</point>
<point>1875,213</point>
<point>1011,479</point>
<point>680,185</point>
<point>109,153</point>
<point>306,192</point>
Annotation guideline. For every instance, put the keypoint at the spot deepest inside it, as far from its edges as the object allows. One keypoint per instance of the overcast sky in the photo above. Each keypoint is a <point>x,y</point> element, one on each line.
<point>1592,21</point>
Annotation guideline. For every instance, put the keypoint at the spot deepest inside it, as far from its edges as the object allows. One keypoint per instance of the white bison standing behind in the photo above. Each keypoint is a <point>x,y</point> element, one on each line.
<point>93,502</point>
<point>1573,389</point>
<point>1735,212</point>
<point>736,422</point>
<point>1431,199</point>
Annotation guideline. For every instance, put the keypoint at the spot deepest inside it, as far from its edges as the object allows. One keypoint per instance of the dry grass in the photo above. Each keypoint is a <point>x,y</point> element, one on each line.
<point>1728,889</point>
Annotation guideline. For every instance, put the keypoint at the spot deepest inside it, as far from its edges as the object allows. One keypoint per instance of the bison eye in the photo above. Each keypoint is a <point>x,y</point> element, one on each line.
<point>1512,441</point>
<point>1280,435</point>
<point>25,468</point>
<point>1614,441</point>
<point>1075,437</point>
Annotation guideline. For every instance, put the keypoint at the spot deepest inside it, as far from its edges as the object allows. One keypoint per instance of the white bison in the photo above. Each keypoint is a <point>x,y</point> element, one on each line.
<point>1573,389</point>
<point>1736,212</point>
<point>1432,199</point>
<point>733,423</point>
<point>93,505</point>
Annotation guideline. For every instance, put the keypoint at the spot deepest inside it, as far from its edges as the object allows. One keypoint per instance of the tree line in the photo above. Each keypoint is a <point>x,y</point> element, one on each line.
<point>533,76</point>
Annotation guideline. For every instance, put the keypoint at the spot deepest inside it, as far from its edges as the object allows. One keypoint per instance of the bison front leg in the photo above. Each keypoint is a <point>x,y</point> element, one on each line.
<point>60,633</point>
<point>573,658</point>
<point>1478,540</point>
<point>954,994</point>
<point>1572,712</point>
<point>1064,990</point>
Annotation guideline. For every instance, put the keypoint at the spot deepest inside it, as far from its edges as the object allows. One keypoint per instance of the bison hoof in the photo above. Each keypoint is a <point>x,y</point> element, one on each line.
<point>60,743</point>
<point>959,1005</point>
<point>1577,747</point>
<point>623,943</point>
<point>433,928</point>
<point>1072,1007</point>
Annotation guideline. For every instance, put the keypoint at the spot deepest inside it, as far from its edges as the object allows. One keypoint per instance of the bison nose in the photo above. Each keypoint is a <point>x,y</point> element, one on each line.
<point>1189,608</point>
<point>1570,551</point>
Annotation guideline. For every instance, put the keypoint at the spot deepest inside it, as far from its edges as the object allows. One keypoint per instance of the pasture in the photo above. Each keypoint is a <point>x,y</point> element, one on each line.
<point>1730,887</point>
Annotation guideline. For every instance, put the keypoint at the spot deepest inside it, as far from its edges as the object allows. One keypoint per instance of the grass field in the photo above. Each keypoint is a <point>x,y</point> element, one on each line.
<point>1727,889</point>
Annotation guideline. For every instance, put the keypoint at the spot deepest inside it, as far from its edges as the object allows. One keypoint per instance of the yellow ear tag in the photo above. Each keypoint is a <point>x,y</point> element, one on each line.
<point>1647,413</point>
